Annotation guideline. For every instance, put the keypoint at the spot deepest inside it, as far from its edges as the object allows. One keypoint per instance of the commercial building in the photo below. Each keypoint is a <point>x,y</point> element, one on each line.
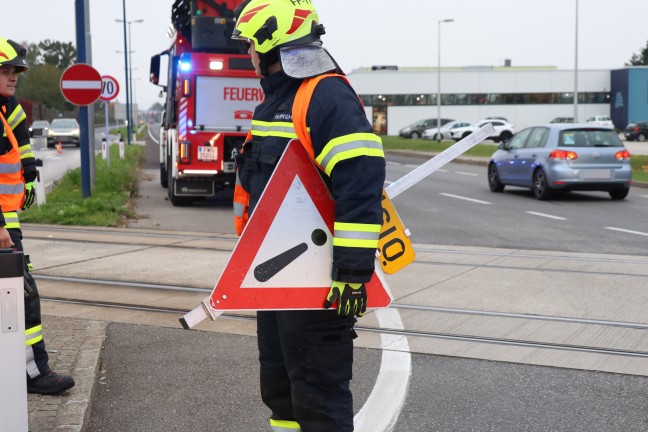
<point>396,97</point>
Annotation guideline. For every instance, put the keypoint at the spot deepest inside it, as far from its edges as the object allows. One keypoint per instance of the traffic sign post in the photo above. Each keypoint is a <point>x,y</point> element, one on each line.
<point>109,91</point>
<point>81,85</point>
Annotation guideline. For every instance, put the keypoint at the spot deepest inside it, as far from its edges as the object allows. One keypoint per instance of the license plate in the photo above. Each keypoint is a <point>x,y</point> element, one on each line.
<point>596,174</point>
<point>206,153</point>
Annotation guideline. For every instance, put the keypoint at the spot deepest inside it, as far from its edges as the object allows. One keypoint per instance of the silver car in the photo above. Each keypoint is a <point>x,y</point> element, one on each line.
<point>562,157</point>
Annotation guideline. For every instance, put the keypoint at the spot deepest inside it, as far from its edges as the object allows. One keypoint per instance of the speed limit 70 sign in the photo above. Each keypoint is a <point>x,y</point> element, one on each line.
<point>109,88</point>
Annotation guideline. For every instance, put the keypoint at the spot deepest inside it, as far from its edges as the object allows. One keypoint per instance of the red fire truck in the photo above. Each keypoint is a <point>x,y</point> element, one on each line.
<point>211,92</point>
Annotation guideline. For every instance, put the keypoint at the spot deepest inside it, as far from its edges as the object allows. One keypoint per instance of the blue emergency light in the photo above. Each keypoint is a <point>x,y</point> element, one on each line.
<point>184,63</point>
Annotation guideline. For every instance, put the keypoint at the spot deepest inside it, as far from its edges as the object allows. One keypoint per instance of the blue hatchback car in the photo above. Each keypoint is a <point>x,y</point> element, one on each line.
<point>562,157</point>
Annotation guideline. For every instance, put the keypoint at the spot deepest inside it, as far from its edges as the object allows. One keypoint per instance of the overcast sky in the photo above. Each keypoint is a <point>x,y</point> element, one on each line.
<point>374,32</point>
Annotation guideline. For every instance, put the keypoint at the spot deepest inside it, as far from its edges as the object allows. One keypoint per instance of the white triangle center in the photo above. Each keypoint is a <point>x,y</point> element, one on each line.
<point>293,230</point>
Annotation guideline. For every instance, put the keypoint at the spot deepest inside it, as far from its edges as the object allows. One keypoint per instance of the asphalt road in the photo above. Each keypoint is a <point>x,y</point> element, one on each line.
<point>455,206</point>
<point>193,386</point>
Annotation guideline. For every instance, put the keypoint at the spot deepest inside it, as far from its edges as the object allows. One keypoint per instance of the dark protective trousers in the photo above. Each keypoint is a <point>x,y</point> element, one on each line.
<point>37,359</point>
<point>306,360</point>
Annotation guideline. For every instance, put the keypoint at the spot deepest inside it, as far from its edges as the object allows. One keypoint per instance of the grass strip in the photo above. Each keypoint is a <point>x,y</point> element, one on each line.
<point>110,203</point>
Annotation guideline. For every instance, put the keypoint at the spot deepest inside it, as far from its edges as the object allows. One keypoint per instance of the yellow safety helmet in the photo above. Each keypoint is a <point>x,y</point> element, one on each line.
<point>13,54</point>
<point>288,31</point>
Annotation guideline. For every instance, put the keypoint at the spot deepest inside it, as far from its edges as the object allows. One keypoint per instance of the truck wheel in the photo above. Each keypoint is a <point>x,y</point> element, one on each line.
<point>164,177</point>
<point>176,200</point>
<point>641,137</point>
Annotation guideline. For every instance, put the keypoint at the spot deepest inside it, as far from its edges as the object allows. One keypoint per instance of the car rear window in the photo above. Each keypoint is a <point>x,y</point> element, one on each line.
<point>71,124</point>
<point>589,138</point>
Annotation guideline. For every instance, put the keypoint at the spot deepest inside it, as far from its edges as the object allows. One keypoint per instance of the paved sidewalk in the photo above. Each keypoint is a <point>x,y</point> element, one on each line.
<point>74,347</point>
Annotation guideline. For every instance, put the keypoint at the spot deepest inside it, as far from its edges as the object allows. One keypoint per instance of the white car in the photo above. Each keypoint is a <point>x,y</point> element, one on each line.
<point>504,130</point>
<point>601,120</point>
<point>446,130</point>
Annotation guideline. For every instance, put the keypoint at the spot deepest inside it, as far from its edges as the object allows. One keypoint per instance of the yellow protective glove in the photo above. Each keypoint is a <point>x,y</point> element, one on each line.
<point>30,194</point>
<point>351,298</point>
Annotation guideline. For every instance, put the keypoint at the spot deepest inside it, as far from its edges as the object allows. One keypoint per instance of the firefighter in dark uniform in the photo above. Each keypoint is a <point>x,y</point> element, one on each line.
<point>17,191</point>
<point>306,357</point>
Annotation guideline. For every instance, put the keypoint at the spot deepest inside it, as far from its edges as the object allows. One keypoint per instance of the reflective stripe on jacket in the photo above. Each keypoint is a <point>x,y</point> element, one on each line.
<point>352,235</point>
<point>12,187</point>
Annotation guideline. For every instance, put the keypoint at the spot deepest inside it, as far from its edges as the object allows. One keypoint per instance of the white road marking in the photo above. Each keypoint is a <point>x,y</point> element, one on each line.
<point>412,166</point>
<point>380,412</point>
<point>644,196</point>
<point>155,140</point>
<point>466,173</point>
<point>387,182</point>
<point>465,198</point>
<point>546,215</point>
<point>627,231</point>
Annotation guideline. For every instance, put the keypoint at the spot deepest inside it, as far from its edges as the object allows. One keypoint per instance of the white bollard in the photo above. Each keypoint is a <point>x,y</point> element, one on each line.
<point>40,184</point>
<point>104,148</point>
<point>13,397</point>
<point>121,148</point>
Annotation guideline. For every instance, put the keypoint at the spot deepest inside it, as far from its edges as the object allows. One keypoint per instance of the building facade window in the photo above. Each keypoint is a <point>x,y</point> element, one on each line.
<point>486,99</point>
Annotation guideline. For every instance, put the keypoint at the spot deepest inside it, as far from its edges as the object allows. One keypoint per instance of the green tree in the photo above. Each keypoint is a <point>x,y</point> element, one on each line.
<point>157,106</point>
<point>41,84</point>
<point>32,53</point>
<point>55,53</point>
<point>640,58</point>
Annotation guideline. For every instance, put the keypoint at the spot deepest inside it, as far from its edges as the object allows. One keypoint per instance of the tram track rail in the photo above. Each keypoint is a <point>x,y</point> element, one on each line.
<point>481,339</point>
<point>119,277</point>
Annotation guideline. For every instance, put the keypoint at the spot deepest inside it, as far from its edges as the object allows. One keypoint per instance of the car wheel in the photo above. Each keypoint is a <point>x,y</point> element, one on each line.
<point>619,194</point>
<point>540,188</point>
<point>505,136</point>
<point>641,137</point>
<point>494,182</point>
<point>415,135</point>
<point>465,134</point>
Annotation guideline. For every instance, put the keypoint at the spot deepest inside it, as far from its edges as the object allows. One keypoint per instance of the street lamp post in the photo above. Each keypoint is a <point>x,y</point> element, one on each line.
<point>576,67</point>
<point>448,20</point>
<point>129,73</point>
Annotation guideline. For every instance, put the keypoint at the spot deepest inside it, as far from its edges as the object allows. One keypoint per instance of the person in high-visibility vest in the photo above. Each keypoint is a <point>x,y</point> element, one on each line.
<point>306,356</point>
<point>17,191</point>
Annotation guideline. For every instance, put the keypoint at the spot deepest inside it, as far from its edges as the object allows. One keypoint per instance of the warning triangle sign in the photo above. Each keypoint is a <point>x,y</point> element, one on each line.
<point>284,256</point>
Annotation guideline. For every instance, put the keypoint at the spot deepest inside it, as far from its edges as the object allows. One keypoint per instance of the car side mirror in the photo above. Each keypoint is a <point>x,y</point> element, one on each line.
<point>503,146</point>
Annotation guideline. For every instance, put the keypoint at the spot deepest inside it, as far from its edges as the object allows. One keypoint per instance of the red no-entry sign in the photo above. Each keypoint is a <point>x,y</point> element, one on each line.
<point>81,84</point>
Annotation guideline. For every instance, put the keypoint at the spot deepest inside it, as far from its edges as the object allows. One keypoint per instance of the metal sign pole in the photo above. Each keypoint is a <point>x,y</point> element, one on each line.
<point>13,397</point>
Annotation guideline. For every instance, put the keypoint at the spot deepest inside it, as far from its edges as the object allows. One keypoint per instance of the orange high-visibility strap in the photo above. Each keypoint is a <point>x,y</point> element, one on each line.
<point>9,132</point>
<point>12,201</point>
<point>300,109</point>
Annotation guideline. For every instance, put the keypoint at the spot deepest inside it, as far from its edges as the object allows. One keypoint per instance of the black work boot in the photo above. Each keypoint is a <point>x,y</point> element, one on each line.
<point>49,383</point>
